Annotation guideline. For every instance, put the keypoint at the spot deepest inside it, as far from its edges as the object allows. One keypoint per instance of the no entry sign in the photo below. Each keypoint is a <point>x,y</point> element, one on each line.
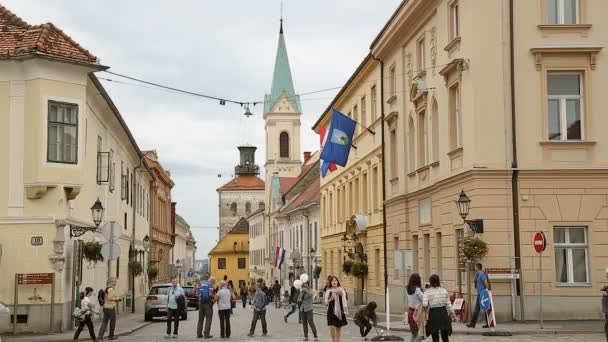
<point>540,242</point>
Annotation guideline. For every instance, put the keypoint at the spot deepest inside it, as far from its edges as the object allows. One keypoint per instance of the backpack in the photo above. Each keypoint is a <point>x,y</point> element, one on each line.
<point>101,297</point>
<point>205,293</point>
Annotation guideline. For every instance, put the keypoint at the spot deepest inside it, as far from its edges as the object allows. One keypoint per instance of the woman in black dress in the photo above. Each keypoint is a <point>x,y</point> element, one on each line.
<point>337,309</point>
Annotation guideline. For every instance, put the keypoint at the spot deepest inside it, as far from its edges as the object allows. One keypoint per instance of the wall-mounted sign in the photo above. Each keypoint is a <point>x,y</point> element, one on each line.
<point>37,241</point>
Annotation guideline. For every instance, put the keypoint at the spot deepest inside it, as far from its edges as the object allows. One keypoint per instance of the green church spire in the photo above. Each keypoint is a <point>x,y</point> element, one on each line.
<point>282,83</point>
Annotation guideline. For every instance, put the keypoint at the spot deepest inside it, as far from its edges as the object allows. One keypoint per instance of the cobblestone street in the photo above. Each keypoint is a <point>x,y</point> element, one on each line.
<point>279,331</point>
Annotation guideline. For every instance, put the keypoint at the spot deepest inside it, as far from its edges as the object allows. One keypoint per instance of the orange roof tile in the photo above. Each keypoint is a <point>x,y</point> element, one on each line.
<point>19,39</point>
<point>243,182</point>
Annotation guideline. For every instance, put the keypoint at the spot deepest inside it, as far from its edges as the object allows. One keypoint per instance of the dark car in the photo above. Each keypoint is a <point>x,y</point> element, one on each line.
<point>191,296</point>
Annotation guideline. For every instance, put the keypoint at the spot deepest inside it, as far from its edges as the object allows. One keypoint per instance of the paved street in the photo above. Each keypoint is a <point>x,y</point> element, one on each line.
<point>279,331</point>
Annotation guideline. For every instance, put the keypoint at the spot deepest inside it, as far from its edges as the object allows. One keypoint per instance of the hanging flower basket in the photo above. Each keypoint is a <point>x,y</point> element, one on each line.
<point>317,271</point>
<point>152,273</point>
<point>91,251</point>
<point>474,248</point>
<point>359,269</point>
<point>135,268</point>
<point>347,267</point>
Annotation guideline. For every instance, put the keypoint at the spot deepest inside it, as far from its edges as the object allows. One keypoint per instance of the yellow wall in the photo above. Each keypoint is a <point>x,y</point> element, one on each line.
<point>226,249</point>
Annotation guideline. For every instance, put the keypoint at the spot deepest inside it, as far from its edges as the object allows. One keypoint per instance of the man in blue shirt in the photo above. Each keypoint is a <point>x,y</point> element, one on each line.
<point>481,283</point>
<point>205,308</point>
<point>174,295</point>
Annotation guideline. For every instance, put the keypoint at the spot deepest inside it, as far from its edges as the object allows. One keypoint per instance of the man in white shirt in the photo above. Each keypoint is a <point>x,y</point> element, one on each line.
<point>174,295</point>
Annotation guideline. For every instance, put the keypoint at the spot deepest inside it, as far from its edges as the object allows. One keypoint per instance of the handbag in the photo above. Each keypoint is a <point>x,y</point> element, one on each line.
<point>79,314</point>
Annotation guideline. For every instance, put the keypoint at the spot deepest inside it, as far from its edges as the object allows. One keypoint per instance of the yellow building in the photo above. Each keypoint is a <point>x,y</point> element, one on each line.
<point>230,257</point>
<point>355,191</point>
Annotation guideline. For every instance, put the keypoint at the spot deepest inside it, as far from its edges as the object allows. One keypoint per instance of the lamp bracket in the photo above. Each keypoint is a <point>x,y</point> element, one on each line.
<point>77,231</point>
<point>475,225</point>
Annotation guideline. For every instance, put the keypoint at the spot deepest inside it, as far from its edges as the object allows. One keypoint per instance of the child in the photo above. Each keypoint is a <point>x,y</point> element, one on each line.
<point>259,311</point>
<point>363,315</point>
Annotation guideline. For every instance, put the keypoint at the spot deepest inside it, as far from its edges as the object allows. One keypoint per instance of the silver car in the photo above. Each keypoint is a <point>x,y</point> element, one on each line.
<point>156,302</point>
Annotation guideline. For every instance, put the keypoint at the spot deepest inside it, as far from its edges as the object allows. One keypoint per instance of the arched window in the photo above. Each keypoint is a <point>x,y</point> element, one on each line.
<point>248,208</point>
<point>233,208</point>
<point>284,145</point>
<point>261,205</point>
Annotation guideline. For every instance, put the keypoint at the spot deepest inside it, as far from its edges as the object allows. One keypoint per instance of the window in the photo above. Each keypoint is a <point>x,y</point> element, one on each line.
<point>316,240</point>
<point>123,181</point>
<point>424,211</point>
<point>415,250</point>
<point>356,117</point>
<point>248,208</point>
<point>396,249</point>
<point>363,112</point>
<point>411,148</point>
<point>350,198</point>
<point>427,255</point>
<point>565,106</point>
<point>377,266</point>
<point>261,205</point>
<point>438,254</point>
<point>571,255</point>
<point>284,145</point>
<point>339,204</point>
<point>393,153</point>
<point>112,165</point>
<point>364,193</point>
<point>233,208</point>
<point>420,54</point>
<point>455,117</point>
<point>563,12</point>
<point>355,196</point>
<point>454,20</point>
<point>127,186</point>
<point>331,208</point>
<point>221,263</point>
<point>422,139</point>
<point>392,82</point>
<point>375,186</point>
<point>373,103</point>
<point>62,143</point>
<point>435,130</point>
<point>242,263</point>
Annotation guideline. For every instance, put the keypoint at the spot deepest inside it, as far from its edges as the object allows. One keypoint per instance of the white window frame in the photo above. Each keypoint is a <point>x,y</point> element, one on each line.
<point>454,19</point>
<point>569,247</point>
<point>563,115</point>
<point>560,5</point>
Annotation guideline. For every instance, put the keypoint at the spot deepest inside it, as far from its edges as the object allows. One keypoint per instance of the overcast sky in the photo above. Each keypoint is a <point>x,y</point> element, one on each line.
<point>224,48</point>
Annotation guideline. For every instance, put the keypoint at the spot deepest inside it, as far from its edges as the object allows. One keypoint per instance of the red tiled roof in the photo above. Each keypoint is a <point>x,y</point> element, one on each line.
<point>287,183</point>
<point>308,196</point>
<point>18,39</point>
<point>243,183</point>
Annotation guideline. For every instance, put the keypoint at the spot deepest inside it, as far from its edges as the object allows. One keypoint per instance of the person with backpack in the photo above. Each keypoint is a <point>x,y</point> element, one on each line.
<point>205,310</point>
<point>85,314</point>
<point>481,284</point>
<point>259,312</point>
<point>276,293</point>
<point>363,316</point>
<point>176,300</point>
<point>110,300</point>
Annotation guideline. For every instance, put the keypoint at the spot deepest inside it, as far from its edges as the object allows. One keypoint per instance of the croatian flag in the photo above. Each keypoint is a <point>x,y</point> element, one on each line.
<point>325,166</point>
<point>339,139</point>
<point>280,257</point>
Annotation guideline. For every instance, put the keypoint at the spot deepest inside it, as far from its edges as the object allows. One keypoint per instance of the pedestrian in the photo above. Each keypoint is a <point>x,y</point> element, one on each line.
<point>363,316</point>
<point>276,294</point>
<point>175,295</point>
<point>111,299</point>
<point>293,301</point>
<point>230,287</point>
<point>306,309</point>
<point>224,306</point>
<point>259,311</point>
<point>251,292</point>
<point>414,301</point>
<point>605,308</point>
<point>243,292</point>
<point>337,308</point>
<point>441,314</point>
<point>481,283</point>
<point>87,309</point>
<point>205,311</point>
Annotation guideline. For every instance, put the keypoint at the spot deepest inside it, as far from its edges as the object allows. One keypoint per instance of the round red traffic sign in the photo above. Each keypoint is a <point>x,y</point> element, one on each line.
<point>540,242</point>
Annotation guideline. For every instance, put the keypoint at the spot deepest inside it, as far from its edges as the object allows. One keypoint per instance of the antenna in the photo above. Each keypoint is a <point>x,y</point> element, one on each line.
<point>281,30</point>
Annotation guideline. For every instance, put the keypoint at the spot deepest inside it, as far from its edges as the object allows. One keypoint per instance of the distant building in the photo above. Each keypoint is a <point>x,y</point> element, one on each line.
<point>230,257</point>
<point>202,266</point>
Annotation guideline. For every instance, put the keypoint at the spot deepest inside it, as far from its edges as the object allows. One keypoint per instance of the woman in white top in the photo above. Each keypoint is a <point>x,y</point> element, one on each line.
<point>224,304</point>
<point>414,300</point>
<point>87,308</point>
<point>441,313</point>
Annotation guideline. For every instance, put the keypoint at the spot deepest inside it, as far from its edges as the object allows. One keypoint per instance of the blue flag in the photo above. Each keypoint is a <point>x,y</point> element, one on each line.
<point>339,139</point>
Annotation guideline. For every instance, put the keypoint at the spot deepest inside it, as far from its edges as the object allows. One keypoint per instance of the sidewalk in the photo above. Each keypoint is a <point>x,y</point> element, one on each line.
<point>515,328</point>
<point>126,323</point>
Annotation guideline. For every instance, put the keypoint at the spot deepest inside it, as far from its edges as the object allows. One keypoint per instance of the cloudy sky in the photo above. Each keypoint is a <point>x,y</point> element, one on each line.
<point>224,48</point>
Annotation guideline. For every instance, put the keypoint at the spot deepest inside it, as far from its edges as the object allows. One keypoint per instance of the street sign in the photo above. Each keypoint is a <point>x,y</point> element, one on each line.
<point>484,300</point>
<point>540,242</point>
<point>190,274</point>
<point>111,230</point>
<point>110,251</point>
<point>34,278</point>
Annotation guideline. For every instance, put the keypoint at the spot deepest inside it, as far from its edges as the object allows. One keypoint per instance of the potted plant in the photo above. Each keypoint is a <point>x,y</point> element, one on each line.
<point>360,269</point>
<point>152,273</point>
<point>317,271</point>
<point>474,248</point>
<point>135,268</point>
<point>91,251</point>
<point>347,267</point>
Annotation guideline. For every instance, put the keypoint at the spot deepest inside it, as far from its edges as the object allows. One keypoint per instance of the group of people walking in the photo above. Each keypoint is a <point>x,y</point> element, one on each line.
<point>84,313</point>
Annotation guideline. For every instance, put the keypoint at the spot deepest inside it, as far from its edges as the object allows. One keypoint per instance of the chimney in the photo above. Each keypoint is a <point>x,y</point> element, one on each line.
<point>306,157</point>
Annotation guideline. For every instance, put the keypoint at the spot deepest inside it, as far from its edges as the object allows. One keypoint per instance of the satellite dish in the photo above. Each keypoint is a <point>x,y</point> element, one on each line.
<point>111,231</point>
<point>110,250</point>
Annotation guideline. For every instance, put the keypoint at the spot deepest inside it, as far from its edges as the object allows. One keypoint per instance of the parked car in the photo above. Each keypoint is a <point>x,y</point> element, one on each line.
<point>156,302</point>
<point>191,296</point>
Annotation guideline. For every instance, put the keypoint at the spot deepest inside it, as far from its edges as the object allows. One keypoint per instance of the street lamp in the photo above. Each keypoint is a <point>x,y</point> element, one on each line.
<point>463,204</point>
<point>146,242</point>
<point>97,211</point>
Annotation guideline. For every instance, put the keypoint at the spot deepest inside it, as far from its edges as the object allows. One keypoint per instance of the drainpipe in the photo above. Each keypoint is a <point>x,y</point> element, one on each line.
<point>514,165</point>
<point>383,190</point>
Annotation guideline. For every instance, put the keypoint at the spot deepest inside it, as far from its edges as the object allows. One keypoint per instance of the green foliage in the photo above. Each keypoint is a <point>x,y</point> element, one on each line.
<point>474,248</point>
<point>135,268</point>
<point>91,251</point>
<point>347,267</point>
<point>359,269</point>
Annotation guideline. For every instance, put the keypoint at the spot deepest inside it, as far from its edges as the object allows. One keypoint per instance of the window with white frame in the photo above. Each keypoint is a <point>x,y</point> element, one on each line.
<point>563,12</point>
<point>565,106</point>
<point>373,103</point>
<point>454,20</point>
<point>571,255</point>
<point>62,140</point>
<point>392,81</point>
<point>421,54</point>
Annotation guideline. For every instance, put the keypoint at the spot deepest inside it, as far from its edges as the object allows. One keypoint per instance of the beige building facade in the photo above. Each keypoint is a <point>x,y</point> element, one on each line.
<point>503,103</point>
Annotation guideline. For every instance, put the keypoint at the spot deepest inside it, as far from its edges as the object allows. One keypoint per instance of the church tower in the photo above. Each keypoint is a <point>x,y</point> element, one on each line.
<point>282,112</point>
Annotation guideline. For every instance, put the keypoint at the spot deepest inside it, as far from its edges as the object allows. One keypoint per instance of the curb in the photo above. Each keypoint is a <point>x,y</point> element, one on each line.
<point>121,334</point>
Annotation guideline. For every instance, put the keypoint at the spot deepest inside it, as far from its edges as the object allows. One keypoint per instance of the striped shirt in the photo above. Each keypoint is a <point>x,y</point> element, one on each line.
<point>436,297</point>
